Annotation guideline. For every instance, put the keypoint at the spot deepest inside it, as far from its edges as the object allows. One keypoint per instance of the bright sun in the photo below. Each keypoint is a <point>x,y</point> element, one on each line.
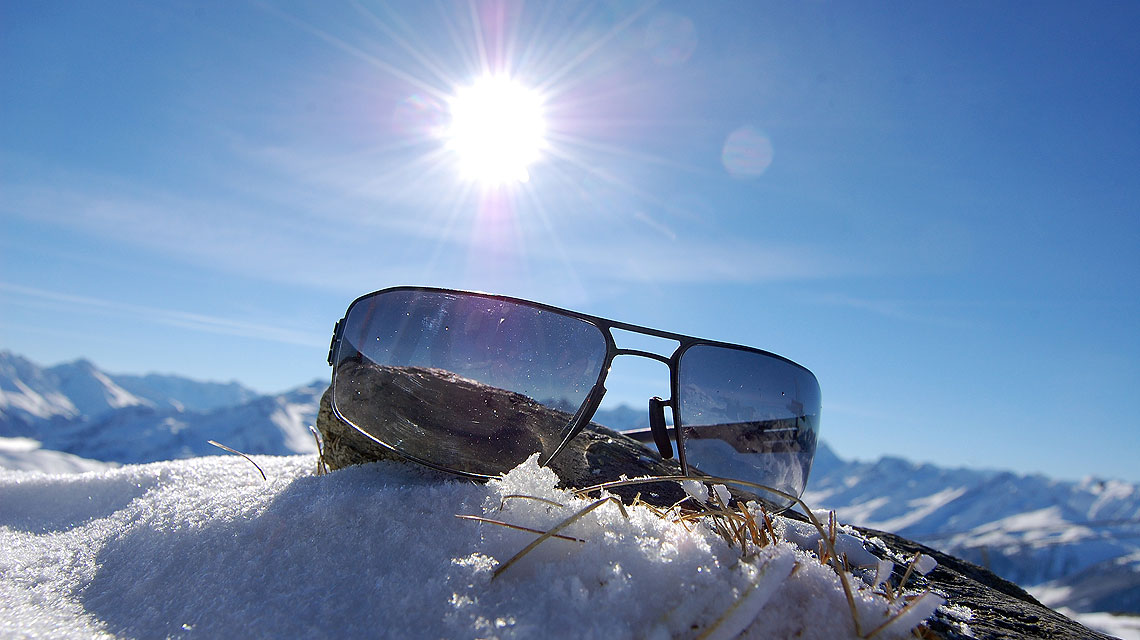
<point>497,130</point>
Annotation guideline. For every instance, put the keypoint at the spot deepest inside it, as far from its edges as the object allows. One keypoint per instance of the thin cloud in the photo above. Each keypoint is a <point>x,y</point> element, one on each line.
<point>181,319</point>
<point>351,244</point>
<point>943,313</point>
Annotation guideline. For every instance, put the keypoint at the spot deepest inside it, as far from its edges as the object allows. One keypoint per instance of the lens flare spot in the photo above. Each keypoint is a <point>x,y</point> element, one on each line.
<point>497,130</point>
<point>747,153</point>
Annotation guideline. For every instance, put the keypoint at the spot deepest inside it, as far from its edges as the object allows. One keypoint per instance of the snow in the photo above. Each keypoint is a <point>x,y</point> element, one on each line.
<point>26,391</point>
<point>90,390</point>
<point>205,548</point>
<point>25,454</point>
<point>293,419</point>
<point>1125,627</point>
<point>18,445</point>
<point>924,564</point>
<point>26,399</point>
<point>922,507</point>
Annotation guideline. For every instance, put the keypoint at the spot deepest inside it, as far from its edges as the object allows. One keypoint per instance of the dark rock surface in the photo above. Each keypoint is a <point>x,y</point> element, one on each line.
<point>1001,609</point>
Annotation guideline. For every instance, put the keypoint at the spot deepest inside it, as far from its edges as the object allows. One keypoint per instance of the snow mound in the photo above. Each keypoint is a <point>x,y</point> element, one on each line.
<point>205,548</point>
<point>27,454</point>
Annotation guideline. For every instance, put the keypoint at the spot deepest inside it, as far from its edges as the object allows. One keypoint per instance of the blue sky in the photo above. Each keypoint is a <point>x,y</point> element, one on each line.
<point>933,207</point>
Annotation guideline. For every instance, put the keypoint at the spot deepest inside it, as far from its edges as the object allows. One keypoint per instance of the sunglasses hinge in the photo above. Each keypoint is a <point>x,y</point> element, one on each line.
<point>657,426</point>
<point>335,338</point>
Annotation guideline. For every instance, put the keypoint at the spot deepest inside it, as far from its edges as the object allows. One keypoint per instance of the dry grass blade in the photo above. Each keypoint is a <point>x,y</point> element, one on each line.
<point>909,571</point>
<point>519,496</point>
<point>222,446</point>
<point>768,526</point>
<point>742,611</point>
<point>322,468</point>
<point>750,523</point>
<point>559,527</point>
<point>515,526</point>
<point>825,538</point>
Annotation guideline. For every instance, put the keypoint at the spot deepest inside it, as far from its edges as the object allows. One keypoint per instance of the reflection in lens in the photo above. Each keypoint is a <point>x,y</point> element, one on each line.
<point>748,416</point>
<point>462,382</point>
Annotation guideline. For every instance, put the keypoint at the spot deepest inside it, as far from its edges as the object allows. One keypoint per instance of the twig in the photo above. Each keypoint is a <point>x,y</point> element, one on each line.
<point>515,526</point>
<point>322,468</point>
<point>503,502</point>
<point>222,446</point>
<point>559,527</point>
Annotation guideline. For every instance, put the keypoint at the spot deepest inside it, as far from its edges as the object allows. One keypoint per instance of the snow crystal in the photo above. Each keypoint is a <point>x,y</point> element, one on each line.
<point>696,490</point>
<point>807,537</point>
<point>883,572</point>
<point>722,493</point>
<point>915,611</point>
<point>924,564</point>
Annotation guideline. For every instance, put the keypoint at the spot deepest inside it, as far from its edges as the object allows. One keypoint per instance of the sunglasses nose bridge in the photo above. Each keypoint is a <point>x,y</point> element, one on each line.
<point>644,354</point>
<point>656,405</point>
<point>668,361</point>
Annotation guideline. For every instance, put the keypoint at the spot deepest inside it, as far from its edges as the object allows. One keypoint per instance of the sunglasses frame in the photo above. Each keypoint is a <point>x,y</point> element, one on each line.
<point>594,397</point>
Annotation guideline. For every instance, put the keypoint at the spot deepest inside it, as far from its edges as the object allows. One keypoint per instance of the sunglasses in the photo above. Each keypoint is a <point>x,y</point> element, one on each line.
<point>474,384</point>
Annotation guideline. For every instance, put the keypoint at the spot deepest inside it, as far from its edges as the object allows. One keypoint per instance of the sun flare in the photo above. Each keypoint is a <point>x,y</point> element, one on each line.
<point>497,130</point>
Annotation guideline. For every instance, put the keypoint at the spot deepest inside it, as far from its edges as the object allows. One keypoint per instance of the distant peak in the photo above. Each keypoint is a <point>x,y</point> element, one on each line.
<point>81,364</point>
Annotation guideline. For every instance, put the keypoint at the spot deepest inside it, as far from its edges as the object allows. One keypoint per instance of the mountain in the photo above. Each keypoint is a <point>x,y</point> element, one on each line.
<point>90,391</point>
<point>1080,541</point>
<point>182,393</point>
<point>78,409</point>
<point>275,425</point>
<point>29,395</point>
<point>622,417</point>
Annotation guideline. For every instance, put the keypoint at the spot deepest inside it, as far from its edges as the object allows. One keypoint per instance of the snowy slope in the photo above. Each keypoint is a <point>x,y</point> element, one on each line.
<point>90,390</point>
<point>28,396</point>
<point>206,548</point>
<point>25,454</point>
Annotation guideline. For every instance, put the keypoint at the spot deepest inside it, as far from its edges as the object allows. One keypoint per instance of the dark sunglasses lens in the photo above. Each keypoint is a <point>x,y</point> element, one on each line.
<point>748,416</point>
<point>463,382</point>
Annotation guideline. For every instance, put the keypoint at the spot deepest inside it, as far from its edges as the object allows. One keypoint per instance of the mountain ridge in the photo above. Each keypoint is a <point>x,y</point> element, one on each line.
<point>78,409</point>
<point>1059,535</point>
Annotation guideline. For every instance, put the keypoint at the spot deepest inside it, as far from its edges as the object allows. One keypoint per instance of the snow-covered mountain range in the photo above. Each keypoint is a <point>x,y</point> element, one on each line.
<point>1074,544</point>
<point>78,409</point>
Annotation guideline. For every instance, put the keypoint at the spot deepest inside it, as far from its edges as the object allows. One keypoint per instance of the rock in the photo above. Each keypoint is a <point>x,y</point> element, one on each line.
<point>1001,609</point>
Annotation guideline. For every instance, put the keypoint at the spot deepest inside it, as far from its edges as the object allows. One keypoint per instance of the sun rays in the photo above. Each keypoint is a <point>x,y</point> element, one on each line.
<point>520,129</point>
